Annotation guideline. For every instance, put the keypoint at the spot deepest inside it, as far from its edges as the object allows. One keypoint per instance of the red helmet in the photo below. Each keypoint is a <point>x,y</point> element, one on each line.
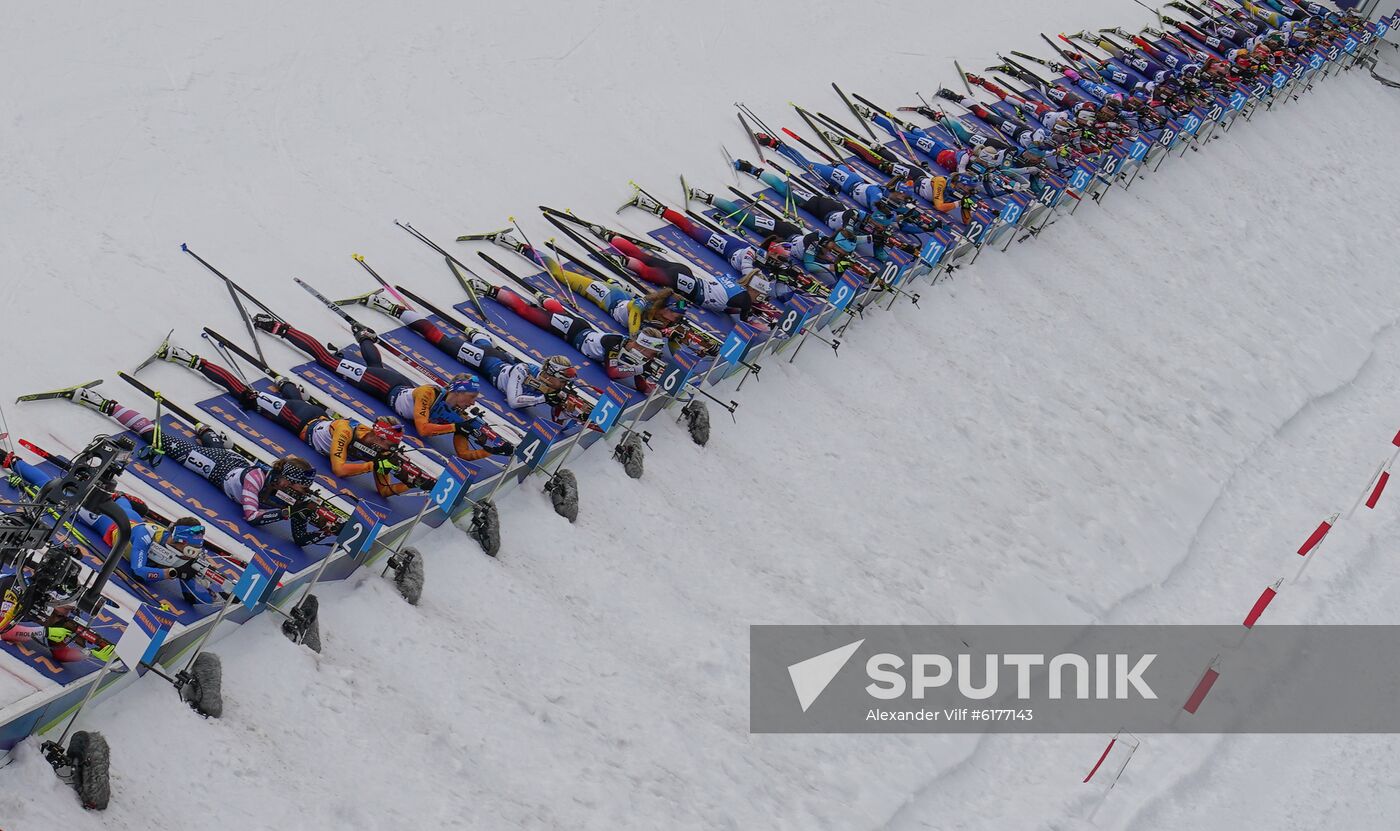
<point>388,429</point>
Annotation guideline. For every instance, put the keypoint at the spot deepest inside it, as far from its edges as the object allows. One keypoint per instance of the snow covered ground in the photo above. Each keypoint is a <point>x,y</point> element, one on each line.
<point>1132,419</point>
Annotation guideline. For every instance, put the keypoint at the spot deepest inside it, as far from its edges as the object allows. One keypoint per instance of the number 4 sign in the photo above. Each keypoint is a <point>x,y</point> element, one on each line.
<point>532,449</point>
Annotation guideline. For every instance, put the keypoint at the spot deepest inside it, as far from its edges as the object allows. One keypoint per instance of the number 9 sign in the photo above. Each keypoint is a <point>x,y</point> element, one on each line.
<point>842,293</point>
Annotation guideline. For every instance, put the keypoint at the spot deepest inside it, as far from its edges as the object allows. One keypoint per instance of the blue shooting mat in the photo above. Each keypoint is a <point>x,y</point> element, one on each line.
<point>341,391</point>
<point>279,441</point>
<point>582,307</point>
<point>713,322</point>
<point>205,500</point>
<point>539,344</point>
<point>154,593</point>
<point>104,623</point>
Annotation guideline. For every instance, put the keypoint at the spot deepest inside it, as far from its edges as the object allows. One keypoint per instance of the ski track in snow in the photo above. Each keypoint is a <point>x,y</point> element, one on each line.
<point>1317,413</point>
<point>1104,424</point>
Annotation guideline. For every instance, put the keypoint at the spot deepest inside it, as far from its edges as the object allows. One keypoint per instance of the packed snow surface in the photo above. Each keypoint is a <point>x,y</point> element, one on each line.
<point>1132,419</point>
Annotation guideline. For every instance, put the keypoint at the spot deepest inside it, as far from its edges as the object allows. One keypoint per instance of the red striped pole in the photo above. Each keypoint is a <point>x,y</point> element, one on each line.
<point>1102,756</point>
<point>1261,604</point>
<point>1316,537</point>
<point>1203,686</point>
<point>1376,491</point>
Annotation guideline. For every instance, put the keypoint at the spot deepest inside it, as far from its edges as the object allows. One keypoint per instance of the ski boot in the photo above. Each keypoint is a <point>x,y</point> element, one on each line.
<point>269,324</point>
<point>93,400</point>
<point>380,301</point>
<point>507,239</point>
<point>483,288</point>
<point>362,332</point>
<point>768,141</point>
<point>176,355</point>
<point>949,95</point>
<point>643,202</point>
<point>745,166</point>
<point>701,196</point>
<point>616,258</point>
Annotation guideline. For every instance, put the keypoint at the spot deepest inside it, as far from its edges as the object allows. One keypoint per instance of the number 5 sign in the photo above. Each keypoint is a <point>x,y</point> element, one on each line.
<point>609,407</point>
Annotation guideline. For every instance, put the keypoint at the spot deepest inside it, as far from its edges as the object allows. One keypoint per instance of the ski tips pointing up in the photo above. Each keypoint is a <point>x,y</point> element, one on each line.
<point>359,258</point>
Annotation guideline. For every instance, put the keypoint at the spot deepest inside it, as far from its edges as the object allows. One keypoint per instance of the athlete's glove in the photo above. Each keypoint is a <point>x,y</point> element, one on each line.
<point>386,466</point>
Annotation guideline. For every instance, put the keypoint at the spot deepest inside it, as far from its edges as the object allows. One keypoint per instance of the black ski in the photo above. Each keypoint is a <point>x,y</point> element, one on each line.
<point>65,392</point>
<point>234,290</point>
<point>847,101</point>
<point>356,327</point>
